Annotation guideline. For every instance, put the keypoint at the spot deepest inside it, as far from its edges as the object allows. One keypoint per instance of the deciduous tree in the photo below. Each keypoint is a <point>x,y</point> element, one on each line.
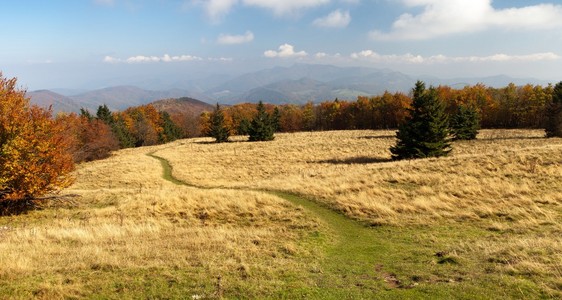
<point>34,153</point>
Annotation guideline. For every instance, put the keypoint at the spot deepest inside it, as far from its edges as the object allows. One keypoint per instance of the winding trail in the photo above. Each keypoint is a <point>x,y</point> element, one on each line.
<point>351,268</point>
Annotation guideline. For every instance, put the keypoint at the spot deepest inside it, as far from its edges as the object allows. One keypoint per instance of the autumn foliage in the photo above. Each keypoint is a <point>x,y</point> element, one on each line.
<point>34,151</point>
<point>507,107</point>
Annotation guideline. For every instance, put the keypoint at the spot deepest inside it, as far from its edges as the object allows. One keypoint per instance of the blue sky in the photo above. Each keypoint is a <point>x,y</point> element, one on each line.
<point>82,43</point>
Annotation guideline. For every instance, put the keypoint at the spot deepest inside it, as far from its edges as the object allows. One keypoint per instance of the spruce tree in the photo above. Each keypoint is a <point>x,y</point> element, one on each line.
<point>262,127</point>
<point>104,114</point>
<point>553,126</point>
<point>276,119</point>
<point>465,123</point>
<point>425,131</point>
<point>125,137</point>
<point>218,128</point>
<point>171,131</point>
<point>244,127</point>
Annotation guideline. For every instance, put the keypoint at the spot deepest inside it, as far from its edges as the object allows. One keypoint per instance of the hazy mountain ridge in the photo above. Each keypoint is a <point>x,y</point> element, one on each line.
<point>58,102</point>
<point>298,84</point>
<point>116,98</point>
<point>184,105</point>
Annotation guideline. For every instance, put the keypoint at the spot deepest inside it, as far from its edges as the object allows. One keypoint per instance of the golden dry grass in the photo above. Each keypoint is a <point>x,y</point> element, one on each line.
<point>504,174</point>
<point>129,228</point>
<point>128,218</point>
<point>508,182</point>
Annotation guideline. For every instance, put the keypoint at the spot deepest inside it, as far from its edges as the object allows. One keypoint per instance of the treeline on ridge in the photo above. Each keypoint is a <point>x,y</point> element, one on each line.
<point>508,107</point>
<point>37,150</point>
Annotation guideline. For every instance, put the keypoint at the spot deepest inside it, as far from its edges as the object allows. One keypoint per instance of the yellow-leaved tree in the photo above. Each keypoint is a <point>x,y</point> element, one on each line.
<point>35,156</point>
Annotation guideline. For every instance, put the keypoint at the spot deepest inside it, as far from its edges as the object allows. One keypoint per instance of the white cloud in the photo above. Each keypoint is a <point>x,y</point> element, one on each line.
<point>226,39</point>
<point>336,19</point>
<point>143,59</point>
<point>111,60</point>
<point>320,55</point>
<point>216,9</point>
<point>221,59</point>
<point>285,51</point>
<point>547,56</point>
<point>151,59</point>
<point>283,7</point>
<point>409,58</point>
<point>446,17</point>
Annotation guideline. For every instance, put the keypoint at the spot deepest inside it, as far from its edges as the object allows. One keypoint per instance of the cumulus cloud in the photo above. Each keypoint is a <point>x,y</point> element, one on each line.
<point>285,51</point>
<point>446,17</point>
<point>152,59</point>
<point>337,19</point>
<point>226,39</point>
<point>373,56</point>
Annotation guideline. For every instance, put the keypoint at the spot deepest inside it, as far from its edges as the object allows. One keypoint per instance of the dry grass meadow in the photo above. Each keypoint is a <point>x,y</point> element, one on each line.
<point>491,212</point>
<point>131,232</point>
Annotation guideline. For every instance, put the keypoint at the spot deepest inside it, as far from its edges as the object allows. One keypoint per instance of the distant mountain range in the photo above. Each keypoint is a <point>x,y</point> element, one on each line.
<point>298,84</point>
<point>184,105</point>
<point>116,98</point>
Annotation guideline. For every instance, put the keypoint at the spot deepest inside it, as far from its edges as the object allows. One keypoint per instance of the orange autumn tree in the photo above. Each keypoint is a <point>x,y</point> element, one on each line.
<point>34,153</point>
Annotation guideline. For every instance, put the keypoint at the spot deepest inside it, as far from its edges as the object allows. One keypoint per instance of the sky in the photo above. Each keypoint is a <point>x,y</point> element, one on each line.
<point>92,43</point>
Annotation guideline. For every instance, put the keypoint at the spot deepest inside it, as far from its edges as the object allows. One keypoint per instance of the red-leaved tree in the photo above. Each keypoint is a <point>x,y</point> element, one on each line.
<point>34,153</point>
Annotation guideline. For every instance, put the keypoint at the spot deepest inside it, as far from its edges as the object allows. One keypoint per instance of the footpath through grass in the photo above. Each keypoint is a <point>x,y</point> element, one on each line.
<point>388,262</point>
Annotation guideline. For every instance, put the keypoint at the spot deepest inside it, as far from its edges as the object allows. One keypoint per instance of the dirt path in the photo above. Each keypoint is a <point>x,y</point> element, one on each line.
<point>351,268</point>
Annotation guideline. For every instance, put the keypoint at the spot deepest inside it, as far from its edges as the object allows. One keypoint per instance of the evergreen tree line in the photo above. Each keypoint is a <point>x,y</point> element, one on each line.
<point>467,109</point>
<point>261,128</point>
<point>508,107</point>
<point>428,130</point>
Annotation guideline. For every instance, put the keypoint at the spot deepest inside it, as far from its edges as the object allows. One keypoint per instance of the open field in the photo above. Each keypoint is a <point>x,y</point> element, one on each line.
<point>132,234</point>
<point>485,222</point>
<point>500,194</point>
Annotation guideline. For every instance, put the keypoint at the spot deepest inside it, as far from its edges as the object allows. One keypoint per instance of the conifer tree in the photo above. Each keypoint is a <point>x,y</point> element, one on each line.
<point>217,127</point>
<point>170,131</point>
<point>244,127</point>
<point>276,119</point>
<point>425,131</point>
<point>122,133</point>
<point>553,126</point>
<point>465,123</point>
<point>262,127</point>
<point>104,114</point>
<point>86,114</point>
<point>118,127</point>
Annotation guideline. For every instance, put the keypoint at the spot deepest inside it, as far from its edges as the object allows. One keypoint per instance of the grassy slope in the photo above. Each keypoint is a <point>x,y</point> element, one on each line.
<point>483,223</point>
<point>132,234</point>
<point>364,262</point>
<point>492,210</point>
